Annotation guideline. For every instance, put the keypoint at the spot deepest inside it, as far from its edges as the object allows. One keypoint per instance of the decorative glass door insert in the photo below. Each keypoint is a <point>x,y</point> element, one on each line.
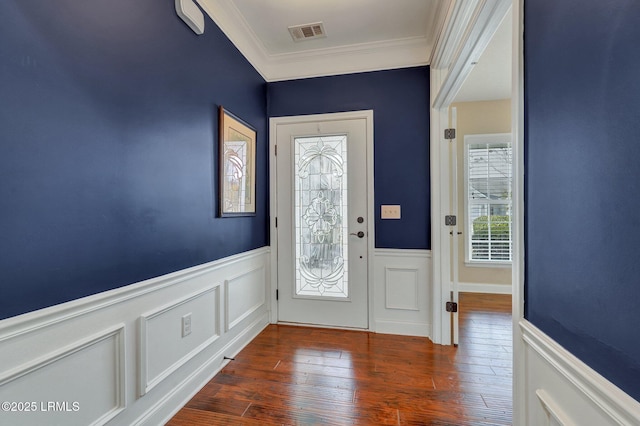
<point>320,215</point>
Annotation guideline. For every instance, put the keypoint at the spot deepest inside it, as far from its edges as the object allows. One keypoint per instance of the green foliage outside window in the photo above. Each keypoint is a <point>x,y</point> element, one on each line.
<point>499,228</point>
<point>498,247</point>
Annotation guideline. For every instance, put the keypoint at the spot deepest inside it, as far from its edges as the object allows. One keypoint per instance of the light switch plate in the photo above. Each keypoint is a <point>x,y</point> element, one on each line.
<point>390,212</point>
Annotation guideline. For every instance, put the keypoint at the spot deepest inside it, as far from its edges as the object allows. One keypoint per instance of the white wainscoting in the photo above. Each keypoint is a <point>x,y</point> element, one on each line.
<point>163,349</point>
<point>65,376</point>
<point>563,391</point>
<point>244,295</point>
<point>119,357</point>
<point>402,289</point>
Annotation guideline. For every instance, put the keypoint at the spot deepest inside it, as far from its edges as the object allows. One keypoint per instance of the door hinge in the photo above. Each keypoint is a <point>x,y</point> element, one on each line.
<point>451,307</point>
<point>276,222</point>
<point>450,220</point>
<point>276,153</point>
<point>277,294</point>
<point>449,134</point>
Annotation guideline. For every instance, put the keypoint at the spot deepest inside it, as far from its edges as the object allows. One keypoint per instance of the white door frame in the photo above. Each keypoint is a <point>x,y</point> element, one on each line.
<point>274,122</point>
<point>517,267</point>
<point>468,28</point>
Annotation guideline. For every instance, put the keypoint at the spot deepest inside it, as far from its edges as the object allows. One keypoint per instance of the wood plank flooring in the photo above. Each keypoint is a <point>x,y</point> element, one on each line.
<point>295,375</point>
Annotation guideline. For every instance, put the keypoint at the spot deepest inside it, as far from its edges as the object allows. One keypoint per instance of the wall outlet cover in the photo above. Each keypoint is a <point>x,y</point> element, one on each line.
<point>186,325</point>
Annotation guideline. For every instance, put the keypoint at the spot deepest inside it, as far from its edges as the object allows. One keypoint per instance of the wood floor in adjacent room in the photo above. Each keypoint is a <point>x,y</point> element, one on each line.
<point>296,375</point>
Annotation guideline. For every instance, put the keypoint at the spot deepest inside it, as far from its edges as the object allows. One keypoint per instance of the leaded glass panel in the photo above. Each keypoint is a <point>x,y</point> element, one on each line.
<point>321,216</point>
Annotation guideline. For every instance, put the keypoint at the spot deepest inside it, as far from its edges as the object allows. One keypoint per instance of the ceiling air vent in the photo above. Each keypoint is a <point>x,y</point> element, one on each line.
<point>307,31</point>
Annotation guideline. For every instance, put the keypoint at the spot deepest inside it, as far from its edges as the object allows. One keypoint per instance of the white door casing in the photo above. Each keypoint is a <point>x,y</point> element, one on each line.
<point>468,29</point>
<point>322,262</point>
<point>454,232</point>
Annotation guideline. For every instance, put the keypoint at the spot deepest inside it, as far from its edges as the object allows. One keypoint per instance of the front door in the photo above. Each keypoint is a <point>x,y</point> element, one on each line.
<point>322,219</point>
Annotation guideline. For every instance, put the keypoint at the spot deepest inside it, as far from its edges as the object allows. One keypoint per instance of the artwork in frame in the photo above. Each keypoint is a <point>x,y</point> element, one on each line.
<point>237,165</point>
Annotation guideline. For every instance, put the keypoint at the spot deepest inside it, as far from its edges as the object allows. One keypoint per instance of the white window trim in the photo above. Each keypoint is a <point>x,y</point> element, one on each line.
<point>480,139</point>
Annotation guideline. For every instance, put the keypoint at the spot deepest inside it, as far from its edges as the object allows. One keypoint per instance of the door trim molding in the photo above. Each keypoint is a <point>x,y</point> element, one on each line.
<point>274,122</point>
<point>519,386</point>
<point>468,29</point>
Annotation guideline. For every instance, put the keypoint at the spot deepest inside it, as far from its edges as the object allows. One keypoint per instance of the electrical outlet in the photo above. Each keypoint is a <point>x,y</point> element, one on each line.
<point>186,325</point>
<point>390,212</point>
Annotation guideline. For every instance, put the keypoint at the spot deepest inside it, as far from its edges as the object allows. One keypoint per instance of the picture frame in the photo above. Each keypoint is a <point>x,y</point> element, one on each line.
<point>237,166</point>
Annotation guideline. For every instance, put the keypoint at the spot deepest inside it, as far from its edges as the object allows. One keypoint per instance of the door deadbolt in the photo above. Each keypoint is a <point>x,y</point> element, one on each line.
<point>360,219</point>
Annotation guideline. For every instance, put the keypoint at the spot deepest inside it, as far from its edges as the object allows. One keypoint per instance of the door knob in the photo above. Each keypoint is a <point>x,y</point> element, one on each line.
<point>360,234</point>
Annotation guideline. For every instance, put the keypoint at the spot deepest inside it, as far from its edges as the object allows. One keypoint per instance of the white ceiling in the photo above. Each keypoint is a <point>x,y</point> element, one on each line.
<point>361,35</point>
<point>347,23</point>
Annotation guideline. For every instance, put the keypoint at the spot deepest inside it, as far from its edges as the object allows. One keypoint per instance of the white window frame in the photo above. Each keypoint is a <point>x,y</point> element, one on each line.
<point>505,138</point>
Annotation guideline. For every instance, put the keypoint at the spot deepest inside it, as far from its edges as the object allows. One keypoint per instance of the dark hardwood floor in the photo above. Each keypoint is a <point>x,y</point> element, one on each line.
<point>296,375</point>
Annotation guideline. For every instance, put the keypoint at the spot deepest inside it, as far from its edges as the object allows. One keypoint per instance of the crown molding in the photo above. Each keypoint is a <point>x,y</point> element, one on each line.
<point>388,54</point>
<point>227,17</point>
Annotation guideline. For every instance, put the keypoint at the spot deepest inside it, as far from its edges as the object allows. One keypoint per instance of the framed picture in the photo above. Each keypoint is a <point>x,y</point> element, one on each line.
<point>237,166</point>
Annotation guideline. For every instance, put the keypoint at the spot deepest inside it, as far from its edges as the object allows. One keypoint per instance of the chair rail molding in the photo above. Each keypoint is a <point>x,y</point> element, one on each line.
<point>562,388</point>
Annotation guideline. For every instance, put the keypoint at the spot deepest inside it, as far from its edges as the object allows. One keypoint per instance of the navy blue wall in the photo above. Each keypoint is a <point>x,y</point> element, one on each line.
<point>400,101</point>
<point>108,124</point>
<point>582,183</point>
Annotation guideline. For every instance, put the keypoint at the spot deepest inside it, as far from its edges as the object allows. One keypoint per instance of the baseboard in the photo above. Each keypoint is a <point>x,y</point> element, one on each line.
<point>562,390</point>
<point>403,328</point>
<point>130,345</point>
<point>484,288</point>
<point>168,406</point>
